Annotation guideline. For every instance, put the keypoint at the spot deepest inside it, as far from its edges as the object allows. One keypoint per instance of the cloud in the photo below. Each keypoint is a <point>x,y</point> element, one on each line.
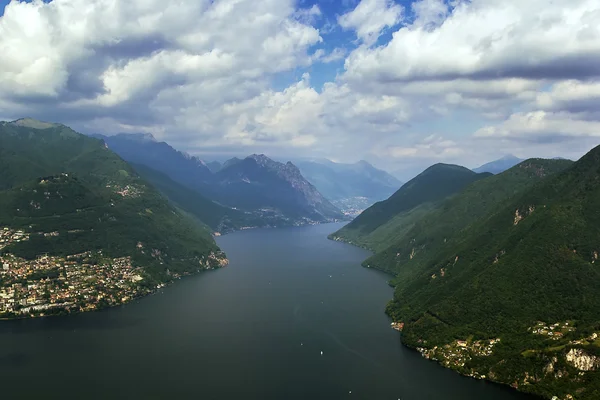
<point>541,126</point>
<point>487,39</point>
<point>101,55</point>
<point>480,78</point>
<point>489,60</point>
<point>431,147</point>
<point>308,15</point>
<point>565,113</point>
<point>429,13</point>
<point>336,55</point>
<point>299,117</point>
<point>573,96</point>
<point>370,17</point>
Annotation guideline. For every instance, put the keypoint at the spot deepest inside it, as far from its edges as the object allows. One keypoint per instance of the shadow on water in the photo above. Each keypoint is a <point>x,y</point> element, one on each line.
<point>95,321</point>
<point>13,360</point>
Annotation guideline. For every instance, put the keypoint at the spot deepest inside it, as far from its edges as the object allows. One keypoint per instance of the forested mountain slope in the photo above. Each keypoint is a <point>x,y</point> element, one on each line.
<point>512,296</point>
<point>65,195</point>
<point>435,227</point>
<point>387,219</point>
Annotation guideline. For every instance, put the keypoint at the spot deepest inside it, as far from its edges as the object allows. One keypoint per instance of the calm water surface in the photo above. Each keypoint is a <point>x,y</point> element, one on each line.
<point>254,330</point>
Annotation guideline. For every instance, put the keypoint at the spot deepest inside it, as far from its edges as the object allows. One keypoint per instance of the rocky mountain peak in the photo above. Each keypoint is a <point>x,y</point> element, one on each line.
<point>261,159</point>
<point>139,137</point>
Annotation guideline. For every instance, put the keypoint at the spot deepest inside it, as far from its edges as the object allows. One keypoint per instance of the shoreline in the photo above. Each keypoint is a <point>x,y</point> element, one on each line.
<point>485,379</point>
<point>227,232</point>
<point>223,262</point>
<point>399,325</point>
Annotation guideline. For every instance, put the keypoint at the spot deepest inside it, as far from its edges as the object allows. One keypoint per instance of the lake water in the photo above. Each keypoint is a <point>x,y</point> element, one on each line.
<point>254,330</point>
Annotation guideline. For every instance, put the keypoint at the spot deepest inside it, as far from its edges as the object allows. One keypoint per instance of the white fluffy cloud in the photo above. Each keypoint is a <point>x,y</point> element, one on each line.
<point>105,53</point>
<point>488,39</point>
<point>429,13</point>
<point>528,68</point>
<point>370,17</point>
<point>458,79</point>
<point>541,126</point>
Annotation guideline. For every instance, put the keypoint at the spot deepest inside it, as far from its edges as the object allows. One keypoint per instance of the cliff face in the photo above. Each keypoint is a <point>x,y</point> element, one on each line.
<point>290,173</point>
<point>581,360</point>
<point>260,182</point>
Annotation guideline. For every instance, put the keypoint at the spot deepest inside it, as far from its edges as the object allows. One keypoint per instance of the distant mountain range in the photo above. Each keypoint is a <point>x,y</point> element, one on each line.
<point>254,191</point>
<point>351,187</point>
<point>500,165</point>
<point>144,149</point>
<point>258,182</point>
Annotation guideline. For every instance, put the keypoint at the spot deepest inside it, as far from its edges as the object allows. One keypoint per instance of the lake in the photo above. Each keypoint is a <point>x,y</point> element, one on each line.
<point>253,330</point>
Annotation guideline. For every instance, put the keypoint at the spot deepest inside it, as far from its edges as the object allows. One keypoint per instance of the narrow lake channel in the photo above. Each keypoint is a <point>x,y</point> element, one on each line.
<point>294,316</point>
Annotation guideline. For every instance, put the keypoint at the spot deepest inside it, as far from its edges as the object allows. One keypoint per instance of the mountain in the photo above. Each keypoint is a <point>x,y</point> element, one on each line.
<point>258,182</point>
<point>351,187</point>
<point>398,213</point>
<point>230,162</point>
<point>266,192</point>
<point>79,229</point>
<point>500,165</point>
<point>143,149</point>
<point>510,294</point>
<point>407,252</point>
<point>214,166</point>
<point>219,218</point>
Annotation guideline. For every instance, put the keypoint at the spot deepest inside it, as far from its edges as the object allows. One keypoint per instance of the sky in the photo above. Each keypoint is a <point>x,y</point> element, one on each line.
<point>401,84</point>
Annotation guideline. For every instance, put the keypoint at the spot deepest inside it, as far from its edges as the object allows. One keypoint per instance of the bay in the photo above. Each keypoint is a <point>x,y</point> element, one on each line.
<point>253,330</point>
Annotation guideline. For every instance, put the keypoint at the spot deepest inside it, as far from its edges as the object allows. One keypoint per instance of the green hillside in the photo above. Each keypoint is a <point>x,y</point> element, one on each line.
<point>378,226</point>
<point>219,218</point>
<point>67,194</point>
<point>432,228</point>
<point>512,296</point>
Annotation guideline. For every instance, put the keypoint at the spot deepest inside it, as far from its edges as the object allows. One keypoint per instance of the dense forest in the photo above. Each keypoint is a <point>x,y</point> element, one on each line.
<point>500,280</point>
<point>72,194</point>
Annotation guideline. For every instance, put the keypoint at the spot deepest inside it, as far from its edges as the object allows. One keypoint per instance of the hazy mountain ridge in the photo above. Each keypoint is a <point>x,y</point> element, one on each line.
<point>500,165</point>
<point>277,196</point>
<point>352,187</point>
<point>145,150</point>
<point>272,184</point>
<point>221,219</point>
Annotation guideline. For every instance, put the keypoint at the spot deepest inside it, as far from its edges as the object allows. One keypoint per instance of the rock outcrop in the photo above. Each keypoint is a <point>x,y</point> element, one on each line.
<point>581,360</point>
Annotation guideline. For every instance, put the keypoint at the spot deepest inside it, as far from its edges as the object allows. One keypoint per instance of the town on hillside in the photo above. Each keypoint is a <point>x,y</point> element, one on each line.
<point>53,285</point>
